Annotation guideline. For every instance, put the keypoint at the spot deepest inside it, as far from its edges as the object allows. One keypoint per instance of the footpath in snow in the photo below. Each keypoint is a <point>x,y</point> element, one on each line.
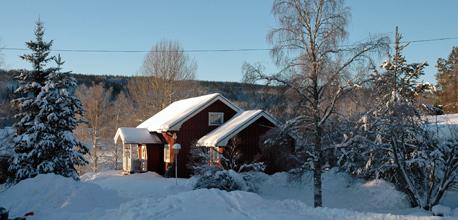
<point>109,195</point>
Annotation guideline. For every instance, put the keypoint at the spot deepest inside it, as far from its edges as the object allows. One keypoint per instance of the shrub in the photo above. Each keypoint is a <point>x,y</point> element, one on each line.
<point>228,180</point>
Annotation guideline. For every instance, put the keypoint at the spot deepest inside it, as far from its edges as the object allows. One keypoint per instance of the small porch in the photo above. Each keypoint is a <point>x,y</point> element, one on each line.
<point>142,151</point>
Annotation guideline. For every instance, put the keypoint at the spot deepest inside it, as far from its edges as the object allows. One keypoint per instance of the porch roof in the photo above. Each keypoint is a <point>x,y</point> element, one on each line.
<point>222,135</point>
<point>136,136</point>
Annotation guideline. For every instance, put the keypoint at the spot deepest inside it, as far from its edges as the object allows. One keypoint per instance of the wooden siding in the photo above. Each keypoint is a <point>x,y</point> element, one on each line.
<point>250,139</point>
<point>155,155</point>
<point>193,129</point>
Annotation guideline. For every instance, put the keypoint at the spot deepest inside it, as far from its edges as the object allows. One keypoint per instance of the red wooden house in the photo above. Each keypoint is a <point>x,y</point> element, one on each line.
<point>209,120</point>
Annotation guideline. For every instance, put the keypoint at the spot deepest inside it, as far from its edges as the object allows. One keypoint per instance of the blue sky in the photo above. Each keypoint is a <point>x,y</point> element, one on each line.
<point>205,24</point>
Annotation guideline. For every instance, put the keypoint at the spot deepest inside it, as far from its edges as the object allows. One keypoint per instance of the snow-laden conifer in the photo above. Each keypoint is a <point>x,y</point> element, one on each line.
<point>48,112</point>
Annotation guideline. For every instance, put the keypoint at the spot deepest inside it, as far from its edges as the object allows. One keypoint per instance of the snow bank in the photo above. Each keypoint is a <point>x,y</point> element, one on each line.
<point>109,195</point>
<point>451,200</point>
<point>51,196</point>
<point>139,185</point>
<point>441,210</point>
<point>444,126</point>
<point>339,191</point>
<point>450,119</point>
<point>236,205</point>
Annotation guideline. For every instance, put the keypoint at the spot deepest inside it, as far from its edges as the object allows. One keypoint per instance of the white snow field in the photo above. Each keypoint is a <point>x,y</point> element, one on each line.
<point>109,195</point>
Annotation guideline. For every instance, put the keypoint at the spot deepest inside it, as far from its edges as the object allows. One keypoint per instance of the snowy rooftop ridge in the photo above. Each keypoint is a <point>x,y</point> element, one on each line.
<point>173,116</point>
<point>221,135</point>
<point>136,136</point>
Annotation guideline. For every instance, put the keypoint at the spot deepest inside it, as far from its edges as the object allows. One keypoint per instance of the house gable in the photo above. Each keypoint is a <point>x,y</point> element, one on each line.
<point>196,127</point>
<point>222,135</point>
<point>173,116</point>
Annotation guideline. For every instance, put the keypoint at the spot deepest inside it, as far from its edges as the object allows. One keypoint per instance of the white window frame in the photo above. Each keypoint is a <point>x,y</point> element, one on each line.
<point>220,118</point>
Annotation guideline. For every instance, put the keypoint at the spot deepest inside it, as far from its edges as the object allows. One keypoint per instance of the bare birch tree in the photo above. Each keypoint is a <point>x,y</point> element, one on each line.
<point>121,111</point>
<point>96,101</point>
<point>307,46</point>
<point>164,67</point>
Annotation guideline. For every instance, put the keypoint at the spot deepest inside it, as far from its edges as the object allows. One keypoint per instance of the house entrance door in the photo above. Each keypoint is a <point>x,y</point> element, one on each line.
<point>156,158</point>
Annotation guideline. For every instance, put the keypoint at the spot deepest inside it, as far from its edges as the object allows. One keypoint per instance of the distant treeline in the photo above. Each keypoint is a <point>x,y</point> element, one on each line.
<point>248,96</point>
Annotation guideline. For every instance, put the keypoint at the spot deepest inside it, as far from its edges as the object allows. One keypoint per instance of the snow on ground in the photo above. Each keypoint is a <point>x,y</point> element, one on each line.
<point>109,195</point>
<point>216,204</point>
<point>339,191</point>
<point>55,197</point>
<point>138,185</point>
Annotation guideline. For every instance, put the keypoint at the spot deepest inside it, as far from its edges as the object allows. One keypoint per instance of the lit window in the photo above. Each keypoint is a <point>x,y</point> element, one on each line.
<point>215,118</point>
<point>167,153</point>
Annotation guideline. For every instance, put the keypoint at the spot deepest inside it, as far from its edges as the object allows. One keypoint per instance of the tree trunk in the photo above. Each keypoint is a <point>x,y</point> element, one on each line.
<point>317,194</point>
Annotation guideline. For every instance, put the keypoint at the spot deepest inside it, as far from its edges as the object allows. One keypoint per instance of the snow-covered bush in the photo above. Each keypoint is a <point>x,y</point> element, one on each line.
<point>226,175</point>
<point>219,179</point>
<point>252,167</point>
<point>199,158</point>
<point>228,180</point>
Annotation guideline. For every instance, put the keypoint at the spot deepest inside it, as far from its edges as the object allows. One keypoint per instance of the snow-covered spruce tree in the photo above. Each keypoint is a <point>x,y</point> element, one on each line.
<point>47,115</point>
<point>393,142</point>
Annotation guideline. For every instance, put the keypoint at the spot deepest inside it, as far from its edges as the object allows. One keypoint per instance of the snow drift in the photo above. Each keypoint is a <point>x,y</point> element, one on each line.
<point>235,205</point>
<point>109,195</point>
<point>51,196</point>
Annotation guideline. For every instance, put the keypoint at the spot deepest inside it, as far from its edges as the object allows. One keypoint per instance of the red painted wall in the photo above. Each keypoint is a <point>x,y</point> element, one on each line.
<point>193,129</point>
<point>155,154</point>
<point>250,138</point>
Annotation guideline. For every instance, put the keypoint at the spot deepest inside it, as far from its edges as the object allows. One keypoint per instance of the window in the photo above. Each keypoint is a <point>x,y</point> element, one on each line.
<point>143,160</point>
<point>144,152</point>
<point>215,118</point>
<point>167,153</point>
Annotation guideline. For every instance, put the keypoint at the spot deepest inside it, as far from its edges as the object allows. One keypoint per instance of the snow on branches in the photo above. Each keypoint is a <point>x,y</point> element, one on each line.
<point>48,112</point>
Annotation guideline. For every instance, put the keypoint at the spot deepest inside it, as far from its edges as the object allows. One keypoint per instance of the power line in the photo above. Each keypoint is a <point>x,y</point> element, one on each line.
<point>201,50</point>
<point>141,51</point>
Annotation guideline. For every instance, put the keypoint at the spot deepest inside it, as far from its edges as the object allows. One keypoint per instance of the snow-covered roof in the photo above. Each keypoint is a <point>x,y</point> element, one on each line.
<point>221,135</point>
<point>173,116</point>
<point>136,136</point>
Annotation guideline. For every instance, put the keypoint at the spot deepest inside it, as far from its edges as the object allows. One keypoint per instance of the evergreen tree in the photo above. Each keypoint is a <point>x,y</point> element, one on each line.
<point>47,113</point>
<point>447,82</point>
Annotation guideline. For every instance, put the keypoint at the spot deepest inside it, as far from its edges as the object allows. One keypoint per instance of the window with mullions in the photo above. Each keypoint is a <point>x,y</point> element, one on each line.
<point>215,118</point>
